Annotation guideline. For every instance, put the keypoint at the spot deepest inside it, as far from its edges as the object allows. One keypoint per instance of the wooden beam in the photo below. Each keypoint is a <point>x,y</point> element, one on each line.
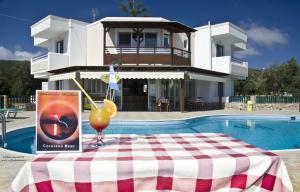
<point>138,32</point>
<point>181,95</point>
<point>171,46</point>
<point>174,26</point>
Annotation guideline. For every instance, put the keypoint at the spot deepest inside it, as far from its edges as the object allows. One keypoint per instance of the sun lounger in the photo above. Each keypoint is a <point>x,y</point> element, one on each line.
<point>9,111</point>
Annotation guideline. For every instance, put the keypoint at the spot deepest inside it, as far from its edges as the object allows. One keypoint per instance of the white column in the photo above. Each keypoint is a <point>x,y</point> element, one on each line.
<point>210,41</point>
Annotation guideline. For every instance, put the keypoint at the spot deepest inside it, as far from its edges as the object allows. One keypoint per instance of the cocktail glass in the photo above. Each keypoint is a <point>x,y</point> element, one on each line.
<point>99,120</point>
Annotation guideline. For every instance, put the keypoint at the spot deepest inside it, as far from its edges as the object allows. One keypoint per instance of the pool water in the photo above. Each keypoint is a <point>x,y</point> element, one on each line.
<point>267,132</point>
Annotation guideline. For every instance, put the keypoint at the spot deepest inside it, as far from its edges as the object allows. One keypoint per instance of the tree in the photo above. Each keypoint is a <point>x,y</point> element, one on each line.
<point>250,86</point>
<point>277,79</point>
<point>133,8</point>
<point>16,80</point>
<point>288,75</point>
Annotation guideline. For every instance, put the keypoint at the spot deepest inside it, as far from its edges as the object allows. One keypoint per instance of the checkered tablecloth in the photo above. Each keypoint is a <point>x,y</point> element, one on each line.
<point>167,162</point>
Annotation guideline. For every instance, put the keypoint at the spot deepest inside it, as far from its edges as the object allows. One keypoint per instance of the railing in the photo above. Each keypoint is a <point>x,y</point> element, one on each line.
<point>239,99</point>
<point>23,99</point>
<point>277,99</point>
<point>40,57</point>
<point>147,55</point>
<point>238,61</point>
<point>265,99</point>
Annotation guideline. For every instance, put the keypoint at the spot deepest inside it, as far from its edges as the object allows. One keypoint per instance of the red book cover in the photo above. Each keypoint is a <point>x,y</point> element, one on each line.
<point>58,121</point>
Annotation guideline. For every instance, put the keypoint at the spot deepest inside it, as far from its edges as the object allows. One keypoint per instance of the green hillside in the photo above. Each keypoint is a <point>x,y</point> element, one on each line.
<point>15,79</point>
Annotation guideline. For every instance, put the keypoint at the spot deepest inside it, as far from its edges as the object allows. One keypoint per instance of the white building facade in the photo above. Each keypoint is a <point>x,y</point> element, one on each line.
<point>158,60</point>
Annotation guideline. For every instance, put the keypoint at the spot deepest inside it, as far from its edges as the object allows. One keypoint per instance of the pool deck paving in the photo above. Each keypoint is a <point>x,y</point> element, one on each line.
<point>11,162</point>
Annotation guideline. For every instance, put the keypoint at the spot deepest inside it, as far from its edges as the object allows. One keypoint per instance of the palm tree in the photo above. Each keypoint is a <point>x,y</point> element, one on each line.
<point>133,8</point>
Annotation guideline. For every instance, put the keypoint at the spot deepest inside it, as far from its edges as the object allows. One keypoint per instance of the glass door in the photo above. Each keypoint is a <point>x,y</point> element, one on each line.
<point>170,90</point>
<point>166,40</point>
<point>174,93</point>
<point>135,95</point>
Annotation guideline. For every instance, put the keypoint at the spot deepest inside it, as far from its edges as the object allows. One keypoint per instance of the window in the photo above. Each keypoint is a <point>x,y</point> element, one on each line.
<point>95,86</point>
<point>60,85</point>
<point>185,44</point>
<point>150,40</point>
<point>220,50</point>
<point>124,39</point>
<point>166,40</point>
<point>134,38</point>
<point>60,46</point>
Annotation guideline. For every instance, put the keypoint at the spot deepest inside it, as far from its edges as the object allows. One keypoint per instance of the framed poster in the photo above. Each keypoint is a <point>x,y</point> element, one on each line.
<point>58,121</point>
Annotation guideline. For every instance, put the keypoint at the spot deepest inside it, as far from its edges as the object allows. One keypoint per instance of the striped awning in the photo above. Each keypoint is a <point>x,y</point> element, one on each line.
<point>64,76</point>
<point>136,75</point>
<point>203,77</point>
<point>139,75</point>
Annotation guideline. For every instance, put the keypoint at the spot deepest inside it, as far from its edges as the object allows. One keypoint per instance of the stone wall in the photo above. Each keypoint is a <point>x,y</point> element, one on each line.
<point>236,106</point>
<point>263,107</point>
<point>276,107</point>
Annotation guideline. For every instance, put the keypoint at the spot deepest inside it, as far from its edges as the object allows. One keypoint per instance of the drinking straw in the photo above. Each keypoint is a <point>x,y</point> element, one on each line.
<point>87,95</point>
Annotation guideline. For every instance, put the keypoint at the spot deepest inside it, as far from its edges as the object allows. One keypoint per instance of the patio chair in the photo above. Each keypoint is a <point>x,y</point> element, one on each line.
<point>9,111</point>
<point>163,104</point>
<point>188,102</point>
<point>199,104</point>
<point>154,104</point>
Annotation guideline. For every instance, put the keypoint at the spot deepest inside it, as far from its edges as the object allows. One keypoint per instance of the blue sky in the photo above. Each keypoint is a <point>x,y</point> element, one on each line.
<point>272,25</point>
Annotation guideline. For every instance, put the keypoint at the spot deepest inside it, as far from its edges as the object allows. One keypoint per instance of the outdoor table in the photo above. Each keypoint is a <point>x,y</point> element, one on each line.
<point>7,111</point>
<point>177,162</point>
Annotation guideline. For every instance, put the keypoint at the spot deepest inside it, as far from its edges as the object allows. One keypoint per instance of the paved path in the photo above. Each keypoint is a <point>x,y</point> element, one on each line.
<point>11,162</point>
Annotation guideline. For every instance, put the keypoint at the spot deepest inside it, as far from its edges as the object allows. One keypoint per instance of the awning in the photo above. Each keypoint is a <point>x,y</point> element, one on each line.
<point>206,77</point>
<point>136,75</point>
<point>64,76</point>
<point>139,75</point>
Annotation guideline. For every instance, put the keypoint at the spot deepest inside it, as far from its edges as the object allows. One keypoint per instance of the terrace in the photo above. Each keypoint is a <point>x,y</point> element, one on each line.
<point>150,42</point>
<point>147,55</point>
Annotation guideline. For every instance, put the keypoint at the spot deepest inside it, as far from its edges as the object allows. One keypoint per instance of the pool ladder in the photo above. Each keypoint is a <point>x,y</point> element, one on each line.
<point>3,120</point>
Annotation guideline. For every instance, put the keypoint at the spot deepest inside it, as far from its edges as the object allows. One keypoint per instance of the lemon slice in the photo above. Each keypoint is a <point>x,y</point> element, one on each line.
<point>110,107</point>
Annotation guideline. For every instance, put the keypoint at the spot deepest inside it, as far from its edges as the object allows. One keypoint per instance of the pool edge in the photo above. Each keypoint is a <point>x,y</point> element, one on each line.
<point>181,119</point>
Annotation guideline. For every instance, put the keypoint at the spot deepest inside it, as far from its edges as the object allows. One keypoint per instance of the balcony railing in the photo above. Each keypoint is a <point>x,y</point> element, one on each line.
<point>239,61</point>
<point>147,55</point>
<point>50,61</point>
<point>40,57</point>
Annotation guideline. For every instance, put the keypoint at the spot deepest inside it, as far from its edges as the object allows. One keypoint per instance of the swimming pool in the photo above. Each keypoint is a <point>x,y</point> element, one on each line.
<point>267,132</point>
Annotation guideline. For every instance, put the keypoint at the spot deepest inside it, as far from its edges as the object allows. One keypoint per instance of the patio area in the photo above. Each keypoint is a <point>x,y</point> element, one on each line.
<point>11,162</point>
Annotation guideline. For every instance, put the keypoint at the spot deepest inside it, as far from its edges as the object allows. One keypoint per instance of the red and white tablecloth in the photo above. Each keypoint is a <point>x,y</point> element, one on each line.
<point>170,162</point>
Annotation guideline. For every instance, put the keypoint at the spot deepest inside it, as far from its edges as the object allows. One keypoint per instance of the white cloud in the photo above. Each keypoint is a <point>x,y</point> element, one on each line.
<point>261,37</point>
<point>250,51</point>
<point>265,36</point>
<point>18,54</point>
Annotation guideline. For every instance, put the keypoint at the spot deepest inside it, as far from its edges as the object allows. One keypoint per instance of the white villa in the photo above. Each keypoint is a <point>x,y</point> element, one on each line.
<point>161,61</point>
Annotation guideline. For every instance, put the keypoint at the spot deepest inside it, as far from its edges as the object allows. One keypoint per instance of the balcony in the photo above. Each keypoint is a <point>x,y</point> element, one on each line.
<point>49,61</point>
<point>147,56</point>
<point>230,65</point>
<point>49,27</point>
<point>229,31</point>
